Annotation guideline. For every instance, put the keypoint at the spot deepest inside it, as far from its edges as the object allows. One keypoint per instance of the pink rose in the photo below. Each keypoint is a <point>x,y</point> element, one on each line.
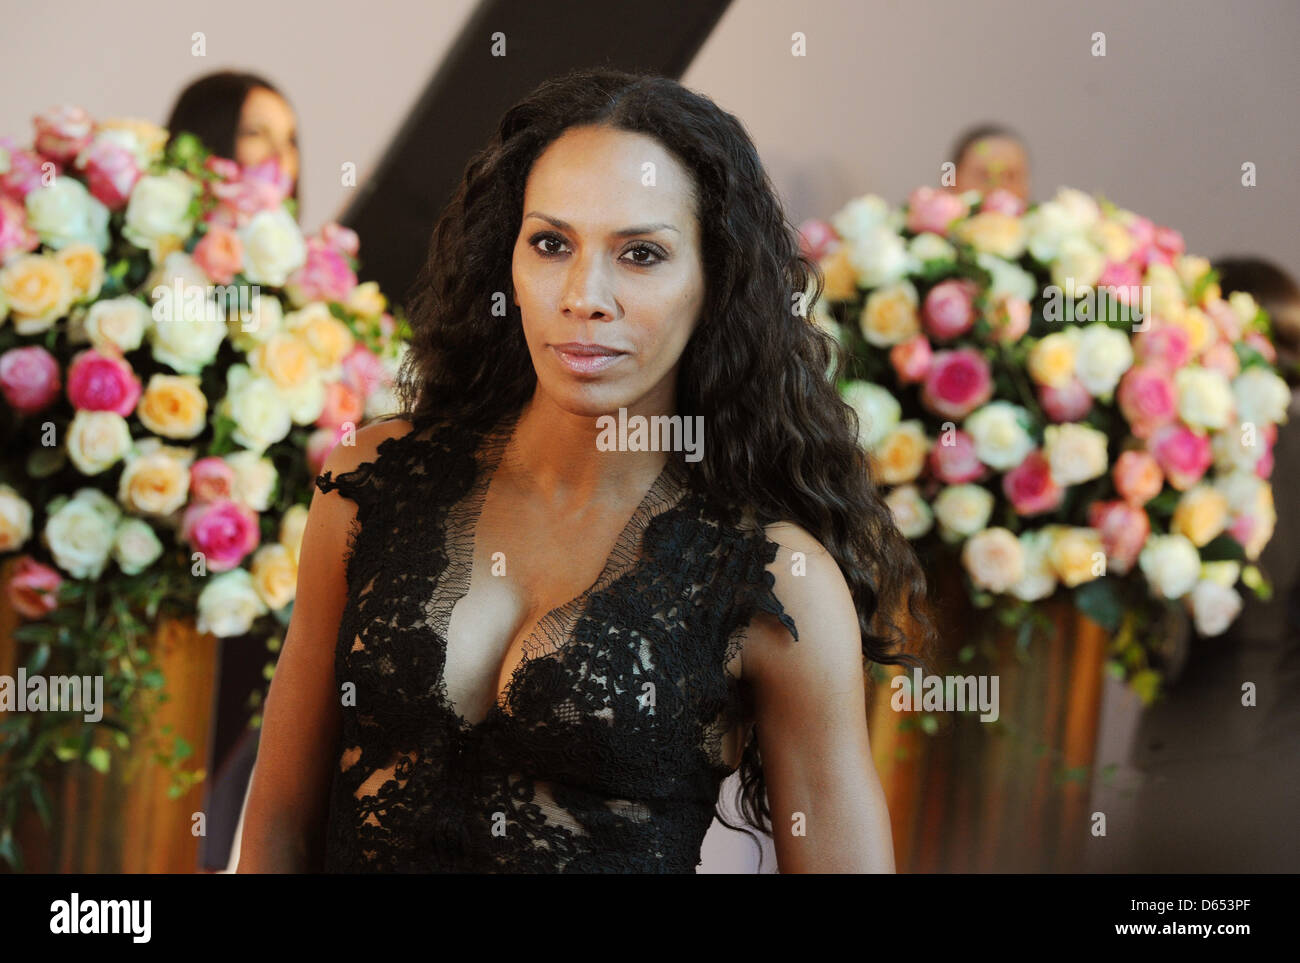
<point>325,276</point>
<point>223,530</point>
<point>1262,345</point>
<point>343,404</point>
<point>33,589</point>
<point>949,308</point>
<point>29,378</point>
<point>61,132</point>
<point>933,210</point>
<point>1124,530</point>
<point>341,239</point>
<point>1009,317</point>
<point>1138,477</point>
<point>211,479</point>
<point>111,171</point>
<point>816,238</point>
<point>1125,277</point>
<point>1147,398</point>
<point>1002,201</point>
<point>1070,402</point>
<point>260,187</point>
<point>955,463</point>
<point>16,235</point>
<point>364,370</point>
<point>958,382</point>
<point>1030,487</point>
<point>1169,242</point>
<point>102,382</point>
<point>25,171</point>
<point>1143,231</point>
<point>1264,466</point>
<point>1221,356</point>
<point>220,253</point>
<point>1184,455</point>
<point>1225,319</point>
<point>1164,346</point>
<point>911,359</point>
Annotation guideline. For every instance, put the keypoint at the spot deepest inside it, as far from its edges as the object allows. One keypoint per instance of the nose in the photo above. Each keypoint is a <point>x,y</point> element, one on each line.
<point>587,292</point>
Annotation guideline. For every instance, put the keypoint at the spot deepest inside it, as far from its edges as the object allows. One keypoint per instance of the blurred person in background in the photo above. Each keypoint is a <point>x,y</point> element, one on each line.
<point>242,117</point>
<point>989,157</point>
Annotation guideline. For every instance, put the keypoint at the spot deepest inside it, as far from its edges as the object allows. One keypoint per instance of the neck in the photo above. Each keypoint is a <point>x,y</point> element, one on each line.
<point>553,454</point>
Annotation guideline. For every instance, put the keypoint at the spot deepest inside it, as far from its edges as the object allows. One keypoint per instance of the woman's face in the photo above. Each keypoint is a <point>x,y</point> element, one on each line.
<point>267,129</point>
<point>608,254</point>
<point>994,162</point>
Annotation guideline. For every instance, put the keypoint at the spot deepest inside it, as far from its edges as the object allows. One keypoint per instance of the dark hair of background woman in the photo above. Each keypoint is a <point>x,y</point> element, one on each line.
<point>209,108</point>
<point>785,443</point>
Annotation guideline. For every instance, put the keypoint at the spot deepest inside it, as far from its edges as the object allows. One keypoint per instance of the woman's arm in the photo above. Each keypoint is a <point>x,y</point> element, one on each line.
<point>828,809</point>
<point>284,826</point>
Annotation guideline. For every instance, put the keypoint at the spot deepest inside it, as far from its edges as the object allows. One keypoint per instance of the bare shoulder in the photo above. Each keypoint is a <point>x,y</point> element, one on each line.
<point>365,445</point>
<point>809,584</point>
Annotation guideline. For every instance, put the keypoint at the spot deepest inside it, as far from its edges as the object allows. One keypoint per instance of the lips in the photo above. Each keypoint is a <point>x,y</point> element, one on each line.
<point>586,350</point>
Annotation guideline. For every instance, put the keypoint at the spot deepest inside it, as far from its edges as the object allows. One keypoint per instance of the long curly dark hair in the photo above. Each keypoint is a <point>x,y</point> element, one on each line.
<point>786,445</point>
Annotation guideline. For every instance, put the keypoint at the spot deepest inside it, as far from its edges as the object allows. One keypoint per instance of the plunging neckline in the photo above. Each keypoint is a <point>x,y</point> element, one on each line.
<point>562,619</point>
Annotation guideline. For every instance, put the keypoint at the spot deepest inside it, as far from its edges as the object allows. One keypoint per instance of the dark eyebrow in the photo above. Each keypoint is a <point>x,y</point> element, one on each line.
<point>625,232</point>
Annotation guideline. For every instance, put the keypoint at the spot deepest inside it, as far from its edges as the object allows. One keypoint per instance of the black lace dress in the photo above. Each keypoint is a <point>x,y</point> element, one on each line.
<point>604,752</point>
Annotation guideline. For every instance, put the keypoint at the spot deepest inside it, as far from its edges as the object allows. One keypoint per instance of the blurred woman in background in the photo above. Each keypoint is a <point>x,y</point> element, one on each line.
<point>242,117</point>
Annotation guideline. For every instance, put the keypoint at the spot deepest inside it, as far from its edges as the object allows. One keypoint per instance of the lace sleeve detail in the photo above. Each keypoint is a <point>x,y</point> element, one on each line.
<point>754,588</point>
<point>359,485</point>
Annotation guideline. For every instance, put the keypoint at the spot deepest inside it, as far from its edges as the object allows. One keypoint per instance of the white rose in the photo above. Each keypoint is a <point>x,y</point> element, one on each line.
<point>97,440</point>
<point>1223,573</point>
<point>135,545</point>
<point>117,323</point>
<point>255,478</point>
<point>65,213</point>
<point>1075,452</point>
<point>1234,449</point>
<point>264,318</point>
<point>994,558</point>
<point>15,519</point>
<point>186,335</point>
<point>158,211</point>
<point>1038,580</point>
<point>880,258</point>
<point>878,410</point>
<point>861,216</point>
<point>1103,354</point>
<point>79,536</point>
<point>1262,397</point>
<point>1171,564</point>
<point>912,514</point>
<point>929,246</point>
<point>1214,607</point>
<point>382,401</point>
<point>1000,433</point>
<point>1204,397</point>
<point>229,603</point>
<point>273,247</point>
<point>962,510</point>
<point>1007,278</point>
<point>1078,265</point>
<point>306,400</point>
<point>257,407</point>
<point>1244,305</point>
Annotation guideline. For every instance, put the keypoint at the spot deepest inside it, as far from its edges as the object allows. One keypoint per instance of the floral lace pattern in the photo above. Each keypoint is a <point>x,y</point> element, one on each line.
<point>604,752</point>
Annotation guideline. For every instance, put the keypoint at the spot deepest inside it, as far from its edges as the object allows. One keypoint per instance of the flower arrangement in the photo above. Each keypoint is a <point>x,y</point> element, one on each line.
<point>176,362</point>
<point>1061,399</point>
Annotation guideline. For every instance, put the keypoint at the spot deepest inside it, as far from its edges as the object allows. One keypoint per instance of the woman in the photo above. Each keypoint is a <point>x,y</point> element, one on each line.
<point>616,250</point>
<point>240,116</point>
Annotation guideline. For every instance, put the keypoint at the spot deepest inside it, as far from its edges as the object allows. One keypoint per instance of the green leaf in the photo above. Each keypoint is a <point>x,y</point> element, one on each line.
<point>98,759</point>
<point>1100,601</point>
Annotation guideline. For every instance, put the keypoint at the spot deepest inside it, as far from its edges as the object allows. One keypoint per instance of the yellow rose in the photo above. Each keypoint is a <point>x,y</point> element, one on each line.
<point>292,526</point>
<point>1190,268</point>
<point>286,359</point>
<point>156,480</point>
<point>275,575</point>
<point>39,290</point>
<point>366,300</point>
<point>97,440</point>
<point>1052,359</point>
<point>150,138</point>
<point>173,406</point>
<point>1166,291</point>
<point>1114,240</point>
<point>900,456</point>
<point>1074,553</point>
<point>86,269</point>
<point>841,277</point>
<point>993,232</point>
<point>1201,515</point>
<point>889,316</point>
<point>329,339</point>
<point>1201,331</point>
<point>15,519</point>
